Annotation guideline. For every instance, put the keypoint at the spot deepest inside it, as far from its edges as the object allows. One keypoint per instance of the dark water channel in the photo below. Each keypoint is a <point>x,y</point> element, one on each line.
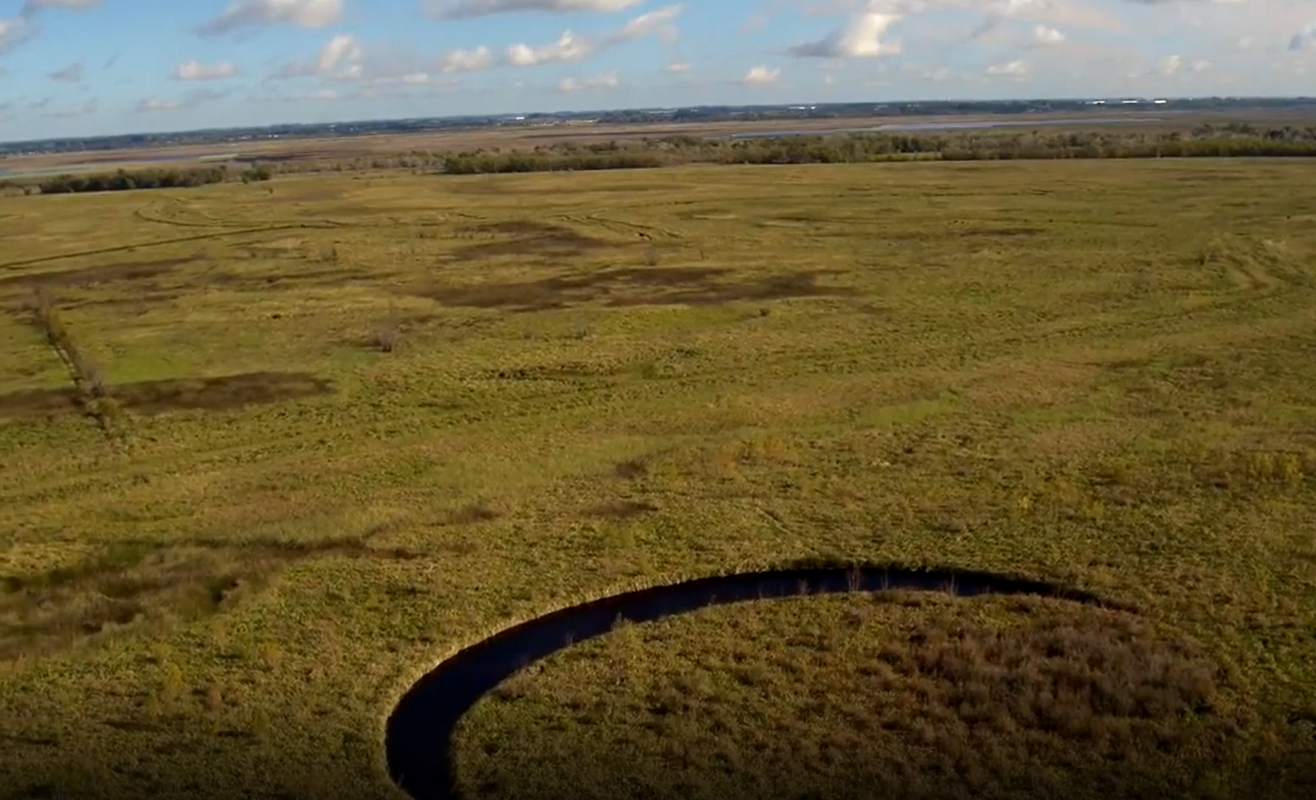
<point>418,739</point>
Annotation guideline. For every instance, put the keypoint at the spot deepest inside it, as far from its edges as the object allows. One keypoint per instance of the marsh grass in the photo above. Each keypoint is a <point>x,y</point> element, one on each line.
<point>1026,368</point>
<point>861,697</point>
<point>386,332</point>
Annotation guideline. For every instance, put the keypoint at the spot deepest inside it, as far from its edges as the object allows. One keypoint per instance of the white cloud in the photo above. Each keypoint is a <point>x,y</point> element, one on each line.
<point>14,32</point>
<point>926,73</point>
<point>1170,2</point>
<point>606,81</point>
<point>249,13</point>
<point>71,74</point>
<point>86,109</point>
<point>466,60</point>
<point>466,9</point>
<point>1304,37</point>
<point>1049,36</point>
<point>1011,69</point>
<point>344,59</point>
<point>404,86</point>
<point>568,48</point>
<point>155,104</point>
<point>999,11</point>
<point>36,6</point>
<point>341,58</point>
<point>654,23</point>
<point>1201,65</point>
<point>859,38</point>
<point>1170,65</point>
<point>190,100</point>
<point>196,71</point>
<point>761,75</point>
<point>754,22</point>
<point>678,66</point>
<point>317,96</point>
<point>342,50</point>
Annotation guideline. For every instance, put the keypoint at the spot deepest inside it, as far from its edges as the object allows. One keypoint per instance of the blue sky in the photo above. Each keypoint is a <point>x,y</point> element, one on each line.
<point>85,67</point>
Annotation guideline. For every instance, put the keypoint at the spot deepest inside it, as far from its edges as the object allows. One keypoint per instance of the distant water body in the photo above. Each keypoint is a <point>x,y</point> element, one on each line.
<point>143,161</point>
<point>905,127</point>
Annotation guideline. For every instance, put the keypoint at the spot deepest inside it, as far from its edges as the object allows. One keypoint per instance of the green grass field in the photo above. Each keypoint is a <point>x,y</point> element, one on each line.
<point>1097,373</point>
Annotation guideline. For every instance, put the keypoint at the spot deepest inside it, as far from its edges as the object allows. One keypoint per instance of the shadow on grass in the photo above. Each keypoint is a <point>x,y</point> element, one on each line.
<point>97,275</point>
<point>635,286</point>
<point>154,397</point>
<point>525,238</point>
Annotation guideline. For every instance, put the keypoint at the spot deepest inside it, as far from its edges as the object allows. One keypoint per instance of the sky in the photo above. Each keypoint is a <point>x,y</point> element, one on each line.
<point>98,67</point>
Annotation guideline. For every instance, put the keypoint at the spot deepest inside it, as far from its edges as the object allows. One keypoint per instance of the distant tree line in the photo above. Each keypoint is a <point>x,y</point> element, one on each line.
<point>124,180</point>
<point>1211,140</point>
<point>1206,141</point>
<point>470,164</point>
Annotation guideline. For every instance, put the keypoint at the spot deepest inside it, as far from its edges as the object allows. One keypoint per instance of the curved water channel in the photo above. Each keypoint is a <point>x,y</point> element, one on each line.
<point>418,737</point>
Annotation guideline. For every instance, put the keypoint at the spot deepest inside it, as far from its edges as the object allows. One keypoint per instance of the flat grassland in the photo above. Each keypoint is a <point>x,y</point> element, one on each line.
<point>219,584</point>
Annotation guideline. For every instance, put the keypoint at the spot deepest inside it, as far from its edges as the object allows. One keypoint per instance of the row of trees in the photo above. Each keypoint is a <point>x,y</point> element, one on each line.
<point>1205,140</point>
<point>471,164</point>
<point>124,180</point>
<point>859,148</point>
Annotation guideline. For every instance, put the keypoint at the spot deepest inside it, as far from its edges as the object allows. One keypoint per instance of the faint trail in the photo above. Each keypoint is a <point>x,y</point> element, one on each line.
<point>418,736</point>
<point>159,214</point>
<point>178,240</point>
<point>622,226</point>
<point>155,212</point>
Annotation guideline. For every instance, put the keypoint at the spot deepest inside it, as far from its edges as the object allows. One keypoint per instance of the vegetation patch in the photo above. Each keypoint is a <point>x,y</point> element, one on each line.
<point>33,403</point>
<point>621,287</point>
<point>1204,141</point>
<point>222,393</point>
<point>473,514</point>
<point>142,179</point>
<point>85,277</point>
<point>623,509</point>
<point>523,238</point>
<point>857,697</point>
<point>143,585</point>
<point>226,393</point>
<point>1121,402</point>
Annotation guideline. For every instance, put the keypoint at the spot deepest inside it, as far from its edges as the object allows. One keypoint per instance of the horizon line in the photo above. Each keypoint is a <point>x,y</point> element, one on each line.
<point>1297,99</point>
